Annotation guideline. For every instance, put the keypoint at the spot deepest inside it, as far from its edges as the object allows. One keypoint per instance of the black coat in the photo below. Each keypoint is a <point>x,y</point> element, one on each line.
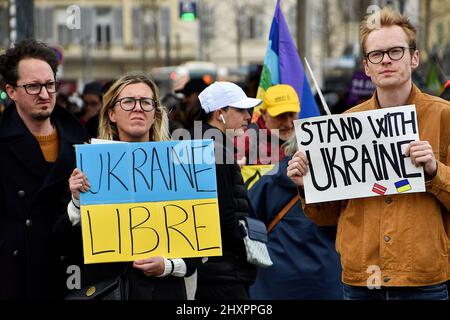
<point>234,204</point>
<point>140,286</point>
<point>35,232</point>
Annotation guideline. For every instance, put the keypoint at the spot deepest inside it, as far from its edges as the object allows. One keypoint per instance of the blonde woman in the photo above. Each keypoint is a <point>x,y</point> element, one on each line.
<point>132,112</point>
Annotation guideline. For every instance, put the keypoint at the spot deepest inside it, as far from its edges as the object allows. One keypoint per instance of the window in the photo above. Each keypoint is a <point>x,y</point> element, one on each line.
<point>252,23</point>
<point>66,36</point>
<point>117,32</point>
<point>43,23</point>
<point>143,27</point>
<point>103,27</point>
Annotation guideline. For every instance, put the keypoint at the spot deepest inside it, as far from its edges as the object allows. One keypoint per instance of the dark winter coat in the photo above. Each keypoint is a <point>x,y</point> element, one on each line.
<point>305,262</point>
<point>35,231</point>
<point>232,266</point>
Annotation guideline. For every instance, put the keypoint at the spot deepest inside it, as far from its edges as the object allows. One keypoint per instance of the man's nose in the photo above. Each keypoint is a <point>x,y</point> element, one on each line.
<point>44,93</point>
<point>386,59</point>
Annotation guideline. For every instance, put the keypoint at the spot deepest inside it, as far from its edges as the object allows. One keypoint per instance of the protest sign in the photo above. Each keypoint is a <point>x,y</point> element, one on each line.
<point>359,154</point>
<point>149,199</point>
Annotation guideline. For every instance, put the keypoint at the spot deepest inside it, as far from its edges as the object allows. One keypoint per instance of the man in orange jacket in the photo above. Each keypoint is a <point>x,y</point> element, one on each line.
<point>406,236</point>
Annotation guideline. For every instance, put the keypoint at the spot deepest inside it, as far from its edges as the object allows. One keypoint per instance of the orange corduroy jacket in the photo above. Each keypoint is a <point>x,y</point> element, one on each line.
<point>403,238</point>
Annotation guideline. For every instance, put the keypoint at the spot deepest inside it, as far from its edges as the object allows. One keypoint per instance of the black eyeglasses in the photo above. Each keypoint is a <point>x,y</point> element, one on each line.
<point>36,88</point>
<point>128,103</point>
<point>395,54</point>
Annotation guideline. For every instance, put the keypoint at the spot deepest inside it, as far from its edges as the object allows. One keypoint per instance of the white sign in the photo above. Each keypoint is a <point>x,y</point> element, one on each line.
<point>359,154</point>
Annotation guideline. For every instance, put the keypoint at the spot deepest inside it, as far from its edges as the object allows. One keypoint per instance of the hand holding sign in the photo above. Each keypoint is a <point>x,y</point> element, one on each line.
<point>421,153</point>
<point>152,199</point>
<point>297,168</point>
<point>151,267</point>
<point>78,183</point>
<point>361,154</point>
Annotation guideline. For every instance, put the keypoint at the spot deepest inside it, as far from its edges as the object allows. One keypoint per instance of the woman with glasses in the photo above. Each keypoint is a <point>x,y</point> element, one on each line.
<point>131,112</point>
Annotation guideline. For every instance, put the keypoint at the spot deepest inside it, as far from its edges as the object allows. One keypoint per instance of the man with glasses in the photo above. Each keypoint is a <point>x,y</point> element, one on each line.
<point>396,245</point>
<point>36,160</point>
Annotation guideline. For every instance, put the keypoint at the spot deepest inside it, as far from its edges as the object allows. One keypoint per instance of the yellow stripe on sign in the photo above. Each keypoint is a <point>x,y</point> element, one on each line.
<point>251,174</point>
<point>404,188</point>
<point>133,231</point>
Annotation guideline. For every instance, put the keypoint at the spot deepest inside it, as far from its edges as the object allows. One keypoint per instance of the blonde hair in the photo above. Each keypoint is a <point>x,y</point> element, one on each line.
<point>108,129</point>
<point>387,18</point>
<point>290,147</point>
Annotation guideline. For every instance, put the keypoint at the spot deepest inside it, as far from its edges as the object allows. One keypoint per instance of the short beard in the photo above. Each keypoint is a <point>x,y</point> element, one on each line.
<point>41,116</point>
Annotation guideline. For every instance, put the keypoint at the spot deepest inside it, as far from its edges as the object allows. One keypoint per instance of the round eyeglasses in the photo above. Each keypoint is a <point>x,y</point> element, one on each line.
<point>128,103</point>
<point>36,88</point>
<point>395,54</point>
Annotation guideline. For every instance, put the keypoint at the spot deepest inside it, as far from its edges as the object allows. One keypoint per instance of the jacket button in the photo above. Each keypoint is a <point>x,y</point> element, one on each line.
<point>389,200</point>
<point>16,253</point>
<point>28,223</point>
<point>21,193</point>
<point>387,238</point>
<point>386,279</point>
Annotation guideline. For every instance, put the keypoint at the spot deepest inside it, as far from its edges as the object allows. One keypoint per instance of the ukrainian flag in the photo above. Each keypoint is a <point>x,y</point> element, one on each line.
<point>403,186</point>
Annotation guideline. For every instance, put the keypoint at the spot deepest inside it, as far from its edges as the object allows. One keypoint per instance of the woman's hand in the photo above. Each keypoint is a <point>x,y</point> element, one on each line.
<point>78,183</point>
<point>151,267</point>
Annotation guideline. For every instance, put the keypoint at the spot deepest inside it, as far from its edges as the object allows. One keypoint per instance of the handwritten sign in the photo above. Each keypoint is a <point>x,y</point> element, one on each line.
<point>149,199</point>
<point>360,154</point>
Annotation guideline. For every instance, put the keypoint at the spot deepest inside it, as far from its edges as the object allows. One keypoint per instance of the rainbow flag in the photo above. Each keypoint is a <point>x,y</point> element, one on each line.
<point>282,65</point>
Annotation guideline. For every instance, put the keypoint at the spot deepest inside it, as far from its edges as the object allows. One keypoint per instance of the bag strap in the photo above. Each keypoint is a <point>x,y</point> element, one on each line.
<point>282,213</point>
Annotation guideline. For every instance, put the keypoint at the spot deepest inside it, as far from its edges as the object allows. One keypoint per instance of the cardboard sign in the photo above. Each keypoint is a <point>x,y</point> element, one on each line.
<point>360,154</point>
<point>149,199</point>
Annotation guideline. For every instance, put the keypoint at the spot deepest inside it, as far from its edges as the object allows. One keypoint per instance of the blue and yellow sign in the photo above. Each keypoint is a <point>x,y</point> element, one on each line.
<point>149,199</point>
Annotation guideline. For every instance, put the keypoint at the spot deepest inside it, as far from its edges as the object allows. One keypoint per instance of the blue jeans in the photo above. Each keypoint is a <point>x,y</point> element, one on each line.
<point>434,292</point>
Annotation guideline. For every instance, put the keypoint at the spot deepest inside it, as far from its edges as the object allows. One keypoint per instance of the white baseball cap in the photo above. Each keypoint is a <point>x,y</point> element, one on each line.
<point>223,94</point>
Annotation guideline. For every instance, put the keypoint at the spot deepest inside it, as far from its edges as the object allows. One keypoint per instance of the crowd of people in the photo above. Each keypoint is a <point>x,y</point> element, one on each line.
<point>319,251</point>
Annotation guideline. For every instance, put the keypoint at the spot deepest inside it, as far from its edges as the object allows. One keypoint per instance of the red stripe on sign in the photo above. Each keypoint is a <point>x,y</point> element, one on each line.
<point>379,189</point>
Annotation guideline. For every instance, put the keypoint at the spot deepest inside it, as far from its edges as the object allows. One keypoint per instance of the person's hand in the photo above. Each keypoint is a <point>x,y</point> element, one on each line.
<point>297,168</point>
<point>421,153</point>
<point>151,267</point>
<point>78,183</point>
